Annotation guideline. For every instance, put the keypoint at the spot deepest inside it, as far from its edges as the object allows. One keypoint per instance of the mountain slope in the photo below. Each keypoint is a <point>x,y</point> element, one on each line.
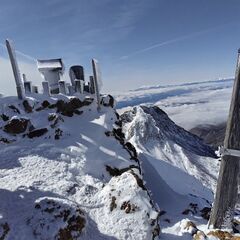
<point>63,174</point>
<point>179,169</point>
<point>153,132</point>
<point>211,134</point>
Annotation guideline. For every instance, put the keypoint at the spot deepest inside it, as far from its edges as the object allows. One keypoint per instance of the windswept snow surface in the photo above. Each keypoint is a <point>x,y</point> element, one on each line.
<point>69,173</point>
<point>188,105</point>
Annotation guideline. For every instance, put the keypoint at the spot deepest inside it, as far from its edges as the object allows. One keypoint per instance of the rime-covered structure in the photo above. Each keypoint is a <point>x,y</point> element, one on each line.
<point>76,74</point>
<point>15,68</point>
<point>52,70</point>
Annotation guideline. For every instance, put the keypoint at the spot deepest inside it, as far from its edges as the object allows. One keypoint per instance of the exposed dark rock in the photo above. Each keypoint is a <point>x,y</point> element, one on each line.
<point>37,132</point>
<point>45,104</point>
<point>27,106</point>
<point>75,103</point>
<point>162,212</point>
<point>139,181</point>
<point>108,101</point>
<point>72,189</point>
<point>128,207</point>
<point>108,133</point>
<point>194,207</point>
<point>15,109</point>
<point>58,134</point>
<point>69,108</point>
<point>5,140</point>
<point>187,211</point>
<point>113,203</point>
<point>4,117</point>
<point>16,125</point>
<point>156,231</point>
<point>52,116</point>
<point>205,213</point>
<point>117,172</point>
<point>51,106</point>
<point>131,149</point>
<point>5,229</point>
<point>87,101</point>
<point>119,135</point>
<point>117,115</point>
<point>119,123</point>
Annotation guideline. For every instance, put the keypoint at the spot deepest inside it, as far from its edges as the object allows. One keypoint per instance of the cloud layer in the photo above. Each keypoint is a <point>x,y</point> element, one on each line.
<point>188,104</point>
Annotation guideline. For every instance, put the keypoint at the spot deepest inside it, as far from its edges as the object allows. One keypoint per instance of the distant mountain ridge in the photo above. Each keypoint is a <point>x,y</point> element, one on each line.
<point>211,134</point>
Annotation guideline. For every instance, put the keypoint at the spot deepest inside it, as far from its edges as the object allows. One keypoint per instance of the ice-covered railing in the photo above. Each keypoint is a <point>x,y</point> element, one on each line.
<point>52,71</point>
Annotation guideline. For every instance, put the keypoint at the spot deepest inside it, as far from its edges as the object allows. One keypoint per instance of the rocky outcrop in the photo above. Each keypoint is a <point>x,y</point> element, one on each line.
<point>16,125</point>
<point>108,101</point>
<point>37,132</point>
<point>4,229</point>
<point>27,106</point>
<point>211,134</point>
<point>69,108</point>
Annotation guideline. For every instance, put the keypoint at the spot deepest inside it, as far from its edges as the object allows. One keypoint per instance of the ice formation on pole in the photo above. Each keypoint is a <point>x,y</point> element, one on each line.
<point>15,68</point>
<point>97,80</point>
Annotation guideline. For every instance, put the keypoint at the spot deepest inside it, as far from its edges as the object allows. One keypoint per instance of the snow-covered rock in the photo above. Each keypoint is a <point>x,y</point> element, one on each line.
<point>70,174</point>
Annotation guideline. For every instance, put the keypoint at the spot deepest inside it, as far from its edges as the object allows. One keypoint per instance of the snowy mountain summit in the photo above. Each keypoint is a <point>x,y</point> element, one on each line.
<point>154,134</point>
<point>179,169</point>
<point>67,172</point>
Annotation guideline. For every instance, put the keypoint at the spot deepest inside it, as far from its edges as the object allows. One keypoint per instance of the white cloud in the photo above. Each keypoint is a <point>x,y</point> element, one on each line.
<point>188,105</point>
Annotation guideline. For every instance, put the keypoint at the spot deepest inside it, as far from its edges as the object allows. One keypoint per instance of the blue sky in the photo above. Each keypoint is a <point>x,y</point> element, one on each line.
<point>137,42</point>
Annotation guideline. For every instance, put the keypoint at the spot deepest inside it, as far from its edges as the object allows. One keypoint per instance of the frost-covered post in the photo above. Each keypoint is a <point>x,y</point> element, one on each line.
<point>97,81</point>
<point>35,89</point>
<point>227,185</point>
<point>28,87</point>
<point>15,68</point>
<point>62,87</point>
<point>70,90</point>
<point>78,86</point>
<point>91,81</point>
<point>27,84</point>
<point>46,88</point>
